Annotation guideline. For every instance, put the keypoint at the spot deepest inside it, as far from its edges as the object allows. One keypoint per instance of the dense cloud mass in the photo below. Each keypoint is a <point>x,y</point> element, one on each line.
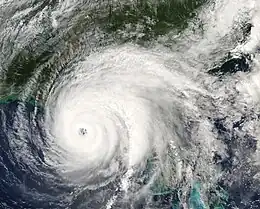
<point>130,104</point>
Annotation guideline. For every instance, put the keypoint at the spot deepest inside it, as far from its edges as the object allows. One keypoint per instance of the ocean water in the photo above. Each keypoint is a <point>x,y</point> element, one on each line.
<point>129,104</point>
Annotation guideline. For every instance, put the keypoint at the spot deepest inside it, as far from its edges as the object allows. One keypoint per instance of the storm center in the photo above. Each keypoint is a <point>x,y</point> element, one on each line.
<point>83,131</point>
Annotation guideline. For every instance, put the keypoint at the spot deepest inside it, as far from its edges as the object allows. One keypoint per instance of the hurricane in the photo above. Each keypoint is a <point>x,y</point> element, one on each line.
<point>130,104</point>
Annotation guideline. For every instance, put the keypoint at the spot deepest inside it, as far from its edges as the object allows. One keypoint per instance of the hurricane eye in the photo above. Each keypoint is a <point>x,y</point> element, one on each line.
<point>83,132</point>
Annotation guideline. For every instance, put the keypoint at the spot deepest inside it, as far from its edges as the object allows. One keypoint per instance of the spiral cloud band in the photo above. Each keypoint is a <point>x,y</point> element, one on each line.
<point>115,110</point>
